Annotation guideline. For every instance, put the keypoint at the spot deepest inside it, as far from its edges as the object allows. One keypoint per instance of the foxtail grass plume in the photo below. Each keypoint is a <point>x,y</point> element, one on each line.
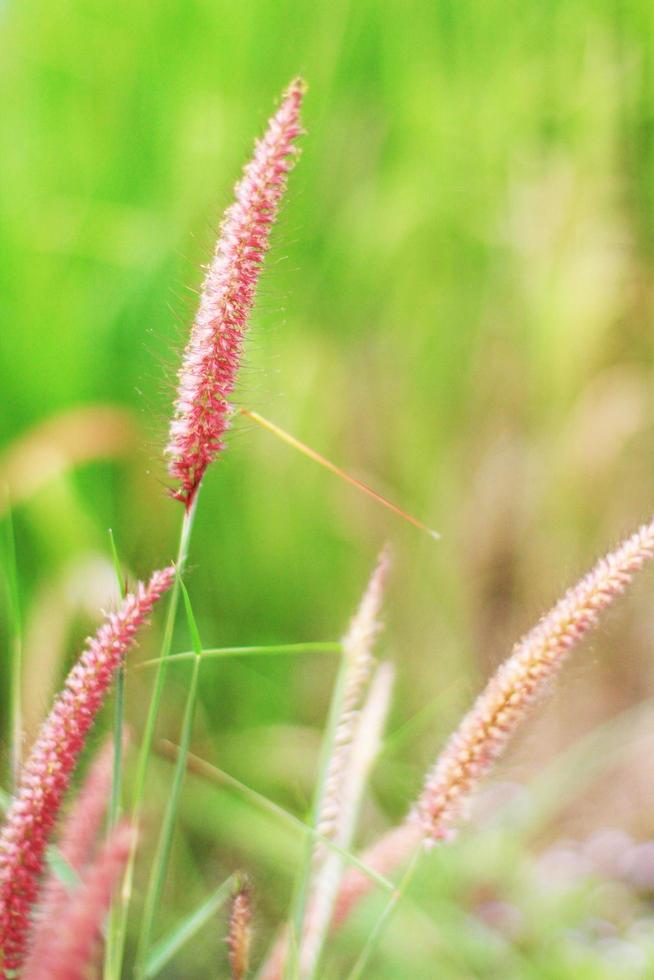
<point>76,941</point>
<point>212,357</point>
<point>359,661</point>
<point>498,712</point>
<point>47,772</point>
<point>76,844</point>
<point>239,939</point>
<point>354,746</point>
<point>333,820</point>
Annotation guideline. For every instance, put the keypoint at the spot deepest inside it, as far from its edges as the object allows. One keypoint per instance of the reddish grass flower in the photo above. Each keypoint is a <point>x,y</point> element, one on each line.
<point>75,941</point>
<point>212,356</point>
<point>47,772</point>
<point>240,932</point>
<point>76,844</point>
<point>488,727</point>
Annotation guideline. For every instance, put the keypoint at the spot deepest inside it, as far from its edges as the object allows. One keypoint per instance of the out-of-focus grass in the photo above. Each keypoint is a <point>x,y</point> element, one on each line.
<point>458,309</point>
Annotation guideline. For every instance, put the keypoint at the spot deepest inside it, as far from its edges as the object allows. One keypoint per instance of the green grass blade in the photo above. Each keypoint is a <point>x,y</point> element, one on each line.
<point>168,947</point>
<point>275,649</point>
<point>216,775</point>
<point>362,962</point>
<point>62,869</point>
<point>115,802</point>
<point>164,844</point>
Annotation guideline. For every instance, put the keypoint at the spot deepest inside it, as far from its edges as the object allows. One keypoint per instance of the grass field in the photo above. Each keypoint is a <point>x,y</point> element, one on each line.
<point>458,310</point>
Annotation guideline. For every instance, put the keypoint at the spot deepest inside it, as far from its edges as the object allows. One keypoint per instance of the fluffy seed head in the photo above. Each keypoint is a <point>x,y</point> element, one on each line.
<point>47,772</point>
<point>212,356</point>
<point>75,942</point>
<point>76,844</point>
<point>522,679</point>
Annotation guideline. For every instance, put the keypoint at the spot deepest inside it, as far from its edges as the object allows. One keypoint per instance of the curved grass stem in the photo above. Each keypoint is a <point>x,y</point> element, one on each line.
<point>116,939</point>
<point>275,649</point>
<point>361,964</point>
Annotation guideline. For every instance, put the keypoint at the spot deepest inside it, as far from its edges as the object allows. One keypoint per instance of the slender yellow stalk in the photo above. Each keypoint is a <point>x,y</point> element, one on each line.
<point>310,453</point>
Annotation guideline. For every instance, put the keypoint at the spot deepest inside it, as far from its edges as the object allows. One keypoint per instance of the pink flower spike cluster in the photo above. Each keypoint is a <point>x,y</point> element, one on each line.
<point>76,940</point>
<point>212,357</point>
<point>47,772</point>
<point>500,709</point>
<point>76,844</point>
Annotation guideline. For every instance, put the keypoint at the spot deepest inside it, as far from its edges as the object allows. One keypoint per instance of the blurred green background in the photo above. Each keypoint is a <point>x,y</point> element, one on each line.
<point>457,308</point>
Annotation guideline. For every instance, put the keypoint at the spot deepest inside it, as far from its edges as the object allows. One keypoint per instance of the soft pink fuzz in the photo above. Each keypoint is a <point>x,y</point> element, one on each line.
<point>76,844</point>
<point>47,772</point>
<point>76,941</point>
<point>498,712</point>
<point>212,356</point>
<point>486,730</point>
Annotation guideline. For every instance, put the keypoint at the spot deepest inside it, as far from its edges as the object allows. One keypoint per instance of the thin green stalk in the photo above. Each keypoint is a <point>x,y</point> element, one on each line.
<point>117,773</point>
<point>168,947</point>
<point>15,655</point>
<point>214,774</point>
<point>164,844</point>
<point>115,803</point>
<point>116,942</point>
<point>361,964</point>
<point>251,651</point>
<point>119,709</point>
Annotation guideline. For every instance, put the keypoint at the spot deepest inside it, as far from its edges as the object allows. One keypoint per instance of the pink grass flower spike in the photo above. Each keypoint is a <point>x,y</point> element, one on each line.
<point>76,842</point>
<point>76,941</point>
<point>47,772</point>
<point>239,939</point>
<point>498,712</point>
<point>212,356</point>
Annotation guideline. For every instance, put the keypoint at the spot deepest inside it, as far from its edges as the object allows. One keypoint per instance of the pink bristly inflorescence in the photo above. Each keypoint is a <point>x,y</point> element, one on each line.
<point>76,844</point>
<point>76,941</point>
<point>47,772</point>
<point>212,356</point>
<point>486,730</point>
<point>240,932</point>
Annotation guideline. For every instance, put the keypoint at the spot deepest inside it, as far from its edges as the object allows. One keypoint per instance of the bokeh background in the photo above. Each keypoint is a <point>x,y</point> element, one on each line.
<point>458,309</point>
